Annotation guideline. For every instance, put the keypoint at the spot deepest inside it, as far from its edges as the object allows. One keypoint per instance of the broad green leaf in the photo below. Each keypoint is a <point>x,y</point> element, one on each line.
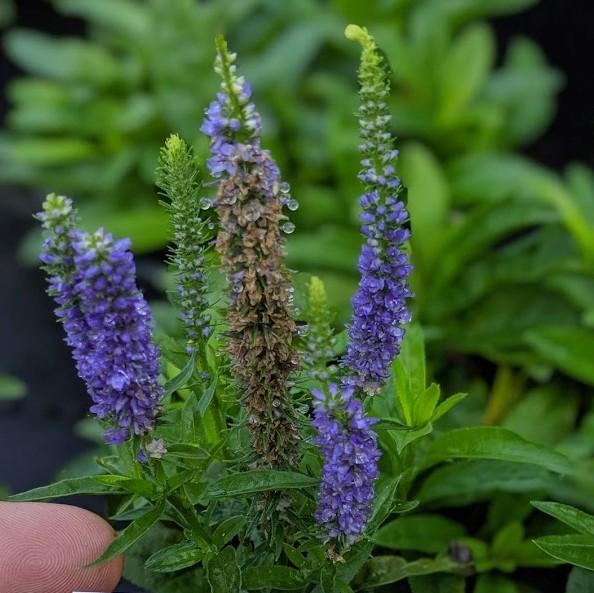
<point>428,203</point>
<point>68,487</point>
<point>175,557</point>
<point>544,415</point>
<point>147,227</point>
<point>259,480</point>
<point>49,152</point>
<point>491,442</point>
<point>11,388</point>
<point>223,572</point>
<point>182,377</point>
<point>66,60</point>
<point>464,71</point>
<point>575,549</point>
<point>525,89</point>
<point>132,533</point>
<point>580,581</point>
<point>282,578</point>
<point>383,570</point>
<point>571,349</point>
<point>123,15</point>
<point>438,583</point>
<point>465,482</point>
<point>422,533</point>
<point>580,521</point>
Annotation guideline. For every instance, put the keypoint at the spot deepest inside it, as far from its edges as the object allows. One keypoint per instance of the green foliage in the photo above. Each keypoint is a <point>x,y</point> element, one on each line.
<point>502,249</point>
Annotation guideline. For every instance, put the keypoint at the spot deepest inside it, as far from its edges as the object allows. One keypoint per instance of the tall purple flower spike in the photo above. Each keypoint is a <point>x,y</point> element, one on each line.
<point>106,319</point>
<point>349,448</point>
<point>379,306</point>
<point>345,434</point>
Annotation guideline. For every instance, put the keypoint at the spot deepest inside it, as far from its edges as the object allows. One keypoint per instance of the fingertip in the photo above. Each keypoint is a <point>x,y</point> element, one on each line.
<point>44,548</point>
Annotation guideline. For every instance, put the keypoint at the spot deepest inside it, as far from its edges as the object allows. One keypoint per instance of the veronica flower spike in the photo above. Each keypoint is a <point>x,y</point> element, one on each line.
<point>379,306</point>
<point>106,319</point>
<point>249,204</point>
<point>349,448</point>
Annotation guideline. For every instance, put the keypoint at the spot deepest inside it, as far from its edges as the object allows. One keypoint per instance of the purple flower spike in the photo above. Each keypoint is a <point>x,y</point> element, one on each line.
<point>349,448</point>
<point>379,306</point>
<point>106,320</point>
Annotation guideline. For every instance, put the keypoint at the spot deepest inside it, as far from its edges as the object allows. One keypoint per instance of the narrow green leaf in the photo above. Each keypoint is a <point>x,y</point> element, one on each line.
<point>282,578</point>
<point>259,480</point>
<point>223,572</point>
<point>465,482</point>
<point>131,534</point>
<point>68,487</point>
<point>187,451</point>
<point>580,521</point>
<point>140,487</point>
<point>173,558</point>
<point>228,529</point>
<point>446,405</point>
<point>207,396</point>
<point>182,377</point>
<point>575,549</point>
<point>423,533</point>
<point>491,442</point>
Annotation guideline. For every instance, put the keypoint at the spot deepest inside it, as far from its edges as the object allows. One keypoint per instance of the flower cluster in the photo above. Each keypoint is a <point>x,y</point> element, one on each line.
<point>178,178</point>
<point>249,204</point>
<point>349,448</point>
<point>379,306</point>
<point>106,319</point>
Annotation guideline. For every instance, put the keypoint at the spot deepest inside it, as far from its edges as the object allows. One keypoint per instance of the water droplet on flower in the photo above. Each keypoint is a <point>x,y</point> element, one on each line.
<point>288,227</point>
<point>253,211</point>
<point>284,187</point>
<point>205,203</point>
<point>292,205</point>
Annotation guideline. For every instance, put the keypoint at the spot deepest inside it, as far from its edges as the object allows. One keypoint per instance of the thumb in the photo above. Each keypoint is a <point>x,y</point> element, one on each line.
<point>43,548</point>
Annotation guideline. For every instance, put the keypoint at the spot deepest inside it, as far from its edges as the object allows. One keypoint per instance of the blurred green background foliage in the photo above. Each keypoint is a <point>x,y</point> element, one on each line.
<point>503,248</point>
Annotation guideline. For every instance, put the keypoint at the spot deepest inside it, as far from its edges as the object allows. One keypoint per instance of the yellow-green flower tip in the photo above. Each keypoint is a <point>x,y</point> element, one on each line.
<point>356,33</point>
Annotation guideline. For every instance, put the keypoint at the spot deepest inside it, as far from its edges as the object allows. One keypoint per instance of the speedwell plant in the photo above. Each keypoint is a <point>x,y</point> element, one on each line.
<point>257,449</point>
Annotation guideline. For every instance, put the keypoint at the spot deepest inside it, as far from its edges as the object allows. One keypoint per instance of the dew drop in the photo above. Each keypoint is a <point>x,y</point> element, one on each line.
<point>284,187</point>
<point>288,227</point>
<point>292,205</point>
<point>205,203</point>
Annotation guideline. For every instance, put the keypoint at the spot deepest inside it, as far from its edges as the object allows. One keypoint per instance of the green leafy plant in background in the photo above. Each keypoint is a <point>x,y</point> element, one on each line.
<point>492,229</point>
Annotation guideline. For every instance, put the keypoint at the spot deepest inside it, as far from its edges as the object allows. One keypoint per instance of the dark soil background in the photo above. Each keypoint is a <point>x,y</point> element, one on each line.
<point>36,436</point>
